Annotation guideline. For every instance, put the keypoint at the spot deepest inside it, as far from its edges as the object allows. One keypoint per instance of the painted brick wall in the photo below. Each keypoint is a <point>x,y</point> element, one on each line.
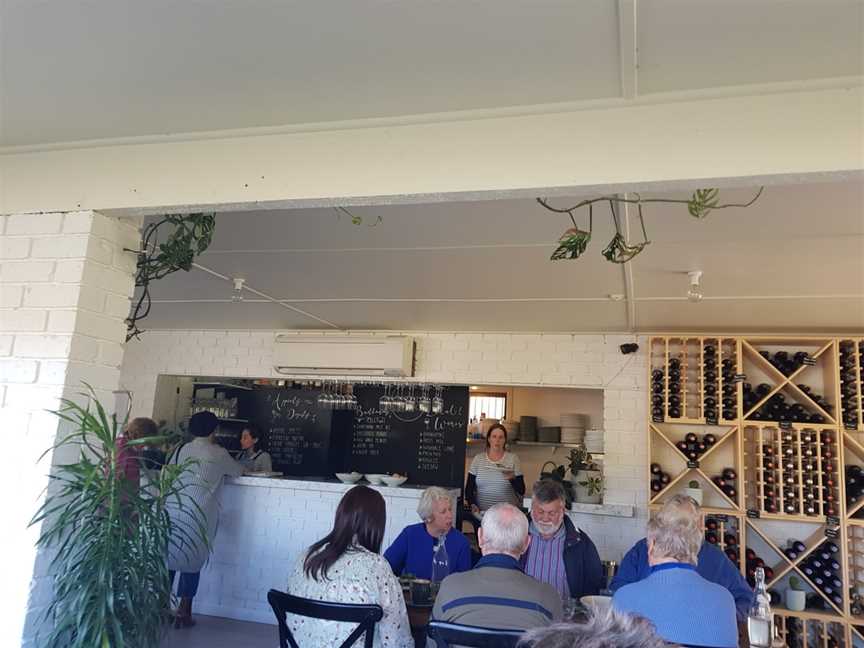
<point>588,361</point>
<point>65,284</point>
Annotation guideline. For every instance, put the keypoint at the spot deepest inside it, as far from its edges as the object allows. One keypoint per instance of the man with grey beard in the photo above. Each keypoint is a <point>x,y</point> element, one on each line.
<point>560,554</point>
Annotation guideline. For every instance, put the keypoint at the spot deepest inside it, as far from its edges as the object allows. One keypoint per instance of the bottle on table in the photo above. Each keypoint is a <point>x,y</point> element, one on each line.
<point>760,620</point>
<point>440,561</point>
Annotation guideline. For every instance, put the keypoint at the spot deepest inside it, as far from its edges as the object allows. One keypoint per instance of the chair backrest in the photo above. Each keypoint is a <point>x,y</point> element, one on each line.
<point>454,634</point>
<point>366,616</point>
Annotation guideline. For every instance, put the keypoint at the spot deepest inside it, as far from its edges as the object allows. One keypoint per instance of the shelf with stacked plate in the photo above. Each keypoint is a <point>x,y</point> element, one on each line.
<point>784,415</point>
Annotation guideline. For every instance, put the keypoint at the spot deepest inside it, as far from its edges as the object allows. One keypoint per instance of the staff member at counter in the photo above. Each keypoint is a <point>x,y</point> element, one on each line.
<point>251,458</point>
<point>411,552</point>
<point>495,476</point>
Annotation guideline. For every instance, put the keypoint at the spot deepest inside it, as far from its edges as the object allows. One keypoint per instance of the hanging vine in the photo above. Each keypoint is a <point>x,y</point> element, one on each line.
<point>190,235</point>
<point>574,241</point>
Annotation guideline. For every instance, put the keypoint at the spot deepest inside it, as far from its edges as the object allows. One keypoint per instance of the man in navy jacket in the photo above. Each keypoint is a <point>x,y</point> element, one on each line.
<point>712,565</point>
<point>559,553</point>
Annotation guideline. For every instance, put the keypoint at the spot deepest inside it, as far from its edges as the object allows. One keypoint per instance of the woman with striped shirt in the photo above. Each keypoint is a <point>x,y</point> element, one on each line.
<point>495,476</point>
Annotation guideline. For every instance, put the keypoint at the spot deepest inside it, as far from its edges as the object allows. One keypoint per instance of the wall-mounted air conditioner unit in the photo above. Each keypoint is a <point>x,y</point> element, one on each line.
<point>347,356</point>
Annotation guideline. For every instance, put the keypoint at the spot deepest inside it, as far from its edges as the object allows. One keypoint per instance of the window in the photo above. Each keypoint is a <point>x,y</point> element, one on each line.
<point>492,405</point>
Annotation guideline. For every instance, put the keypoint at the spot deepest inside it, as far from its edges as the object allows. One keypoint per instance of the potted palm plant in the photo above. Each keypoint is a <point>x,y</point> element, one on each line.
<point>108,536</point>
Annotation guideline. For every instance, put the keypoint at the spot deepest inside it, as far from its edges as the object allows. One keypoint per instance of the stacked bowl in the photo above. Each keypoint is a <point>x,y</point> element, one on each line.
<point>573,427</point>
<point>594,441</point>
<point>528,428</point>
<point>551,434</point>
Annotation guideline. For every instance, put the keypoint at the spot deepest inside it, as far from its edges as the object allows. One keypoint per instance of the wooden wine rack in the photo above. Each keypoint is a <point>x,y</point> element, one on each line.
<point>785,394</point>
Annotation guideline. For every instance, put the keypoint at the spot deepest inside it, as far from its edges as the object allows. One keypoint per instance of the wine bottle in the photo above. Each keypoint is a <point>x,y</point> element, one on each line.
<point>729,474</point>
<point>655,469</point>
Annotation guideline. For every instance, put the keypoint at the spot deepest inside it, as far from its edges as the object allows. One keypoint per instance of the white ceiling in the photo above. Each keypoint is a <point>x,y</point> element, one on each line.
<point>121,68</point>
<point>794,261</point>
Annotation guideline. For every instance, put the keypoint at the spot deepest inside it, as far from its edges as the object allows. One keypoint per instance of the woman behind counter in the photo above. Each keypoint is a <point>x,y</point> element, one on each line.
<point>495,476</point>
<point>345,567</point>
<point>251,458</point>
<point>411,552</point>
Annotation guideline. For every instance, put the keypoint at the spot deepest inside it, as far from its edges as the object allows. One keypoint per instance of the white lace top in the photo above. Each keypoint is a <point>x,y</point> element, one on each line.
<point>358,576</point>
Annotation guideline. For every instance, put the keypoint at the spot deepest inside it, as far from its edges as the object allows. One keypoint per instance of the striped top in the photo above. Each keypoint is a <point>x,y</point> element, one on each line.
<point>545,560</point>
<point>492,487</point>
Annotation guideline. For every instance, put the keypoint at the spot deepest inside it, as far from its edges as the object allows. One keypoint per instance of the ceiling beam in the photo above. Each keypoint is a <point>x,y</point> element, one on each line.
<point>728,141</point>
<point>628,48</point>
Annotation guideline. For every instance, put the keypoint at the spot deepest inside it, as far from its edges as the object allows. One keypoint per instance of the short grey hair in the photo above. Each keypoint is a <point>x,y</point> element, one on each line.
<point>547,491</point>
<point>505,529</point>
<point>676,531</point>
<point>607,628</point>
<point>427,501</point>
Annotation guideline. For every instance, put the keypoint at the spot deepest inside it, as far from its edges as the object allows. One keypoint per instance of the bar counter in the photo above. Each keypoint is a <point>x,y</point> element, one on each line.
<point>266,524</point>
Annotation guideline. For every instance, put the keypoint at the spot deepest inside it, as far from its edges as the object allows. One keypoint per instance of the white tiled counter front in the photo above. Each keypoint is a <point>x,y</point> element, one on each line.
<point>265,525</point>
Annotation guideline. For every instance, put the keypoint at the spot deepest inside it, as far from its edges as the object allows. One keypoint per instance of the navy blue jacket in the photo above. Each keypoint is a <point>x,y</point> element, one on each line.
<point>581,562</point>
<point>713,565</point>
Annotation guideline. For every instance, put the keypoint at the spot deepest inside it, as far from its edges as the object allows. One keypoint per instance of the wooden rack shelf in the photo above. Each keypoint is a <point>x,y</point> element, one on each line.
<point>791,473</point>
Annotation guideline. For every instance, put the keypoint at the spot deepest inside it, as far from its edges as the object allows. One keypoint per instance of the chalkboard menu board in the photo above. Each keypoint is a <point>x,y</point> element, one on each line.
<point>306,440</point>
<point>429,448</point>
<point>298,432</point>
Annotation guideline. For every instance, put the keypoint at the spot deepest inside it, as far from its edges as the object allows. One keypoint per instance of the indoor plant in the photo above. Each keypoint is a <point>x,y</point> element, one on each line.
<point>693,491</point>
<point>106,536</point>
<point>796,597</point>
<point>587,478</point>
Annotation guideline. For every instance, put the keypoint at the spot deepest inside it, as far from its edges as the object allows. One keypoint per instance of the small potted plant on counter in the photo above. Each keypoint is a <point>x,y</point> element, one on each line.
<point>587,478</point>
<point>693,491</point>
<point>590,490</point>
<point>796,597</point>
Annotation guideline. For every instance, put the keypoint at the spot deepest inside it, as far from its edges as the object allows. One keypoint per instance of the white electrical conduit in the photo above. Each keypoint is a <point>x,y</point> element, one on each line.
<point>267,297</point>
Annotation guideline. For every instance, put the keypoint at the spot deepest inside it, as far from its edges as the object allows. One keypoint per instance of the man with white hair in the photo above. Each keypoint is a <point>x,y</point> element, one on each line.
<point>684,607</point>
<point>712,564</point>
<point>496,593</point>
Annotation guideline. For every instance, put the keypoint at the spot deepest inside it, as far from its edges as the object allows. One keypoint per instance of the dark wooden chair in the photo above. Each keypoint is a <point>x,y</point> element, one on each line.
<point>366,616</point>
<point>454,634</point>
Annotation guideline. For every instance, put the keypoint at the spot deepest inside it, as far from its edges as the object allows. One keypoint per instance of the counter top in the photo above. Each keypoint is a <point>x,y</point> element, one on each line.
<point>328,485</point>
<point>610,510</point>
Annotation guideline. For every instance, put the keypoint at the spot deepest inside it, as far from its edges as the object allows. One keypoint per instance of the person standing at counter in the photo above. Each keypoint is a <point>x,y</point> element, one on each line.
<point>251,457</point>
<point>187,553</point>
<point>559,553</point>
<point>495,476</point>
<point>345,567</point>
<point>412,551</point>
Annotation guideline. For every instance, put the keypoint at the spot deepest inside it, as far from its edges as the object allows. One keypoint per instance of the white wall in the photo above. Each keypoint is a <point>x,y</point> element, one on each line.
<point>587,361</point>
<point>65,283</point>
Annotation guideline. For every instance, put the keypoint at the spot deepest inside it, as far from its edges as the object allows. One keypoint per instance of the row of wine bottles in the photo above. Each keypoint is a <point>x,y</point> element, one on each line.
<point>718,532</point>
<point>851,379</point>
<point>778,409</point>
<point>692,448</point>
<point>715,401</point>
<point>798,473</point>
<point>787,363</point>
<point>824,570</point>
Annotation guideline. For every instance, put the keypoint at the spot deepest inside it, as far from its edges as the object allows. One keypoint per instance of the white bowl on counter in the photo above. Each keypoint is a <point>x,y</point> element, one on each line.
<point>395,481</point>
<point>349,478</point>
<point>375,478</point>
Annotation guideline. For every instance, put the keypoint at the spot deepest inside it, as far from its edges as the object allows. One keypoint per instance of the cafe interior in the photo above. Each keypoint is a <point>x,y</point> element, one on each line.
<point>448,253</point>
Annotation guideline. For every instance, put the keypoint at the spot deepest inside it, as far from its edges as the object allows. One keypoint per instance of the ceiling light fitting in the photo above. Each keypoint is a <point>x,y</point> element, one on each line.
<point>694,294</point>
<point>237,293</point>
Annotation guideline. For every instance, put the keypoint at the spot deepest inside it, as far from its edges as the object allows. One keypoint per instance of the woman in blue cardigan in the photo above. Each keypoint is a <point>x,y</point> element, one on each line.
<point>411,552</point>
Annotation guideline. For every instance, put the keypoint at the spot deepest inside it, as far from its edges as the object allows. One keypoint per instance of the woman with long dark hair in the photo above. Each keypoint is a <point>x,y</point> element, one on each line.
<point>345,566</point>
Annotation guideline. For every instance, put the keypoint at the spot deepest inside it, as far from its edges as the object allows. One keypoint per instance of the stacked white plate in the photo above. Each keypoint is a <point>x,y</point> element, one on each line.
<point>594,441</point>
<point>573,427</point>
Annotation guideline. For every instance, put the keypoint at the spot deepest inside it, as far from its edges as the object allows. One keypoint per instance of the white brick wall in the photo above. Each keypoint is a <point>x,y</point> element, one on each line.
<point>587,361</point>
<point>54,332</point>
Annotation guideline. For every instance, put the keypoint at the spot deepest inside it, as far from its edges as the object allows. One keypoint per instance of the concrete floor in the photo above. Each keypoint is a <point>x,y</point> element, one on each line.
<point>216,632</point>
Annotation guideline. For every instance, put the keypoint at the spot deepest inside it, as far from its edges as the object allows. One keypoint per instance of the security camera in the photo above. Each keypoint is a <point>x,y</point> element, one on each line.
<point>631,347</point>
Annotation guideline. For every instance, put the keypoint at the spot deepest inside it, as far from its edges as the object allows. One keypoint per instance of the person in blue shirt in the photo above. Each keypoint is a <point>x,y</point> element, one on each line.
<point>684,607</point>
<point>411,552</point>
<point>712,564</point>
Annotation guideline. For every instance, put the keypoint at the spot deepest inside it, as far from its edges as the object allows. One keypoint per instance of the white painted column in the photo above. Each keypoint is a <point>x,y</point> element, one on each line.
<point>65,284</point>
